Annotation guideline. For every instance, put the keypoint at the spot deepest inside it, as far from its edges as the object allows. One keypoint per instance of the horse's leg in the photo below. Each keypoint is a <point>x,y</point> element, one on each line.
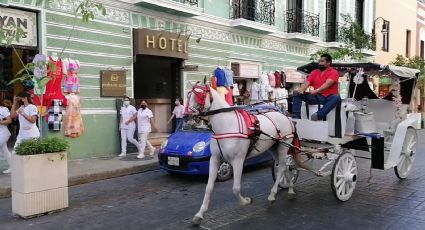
<point>281,153</point>
<point>237,164</point>
<point>214,164</point>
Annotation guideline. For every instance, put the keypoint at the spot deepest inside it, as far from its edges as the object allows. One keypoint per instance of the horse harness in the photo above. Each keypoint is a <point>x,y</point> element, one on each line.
<point>250,118</point>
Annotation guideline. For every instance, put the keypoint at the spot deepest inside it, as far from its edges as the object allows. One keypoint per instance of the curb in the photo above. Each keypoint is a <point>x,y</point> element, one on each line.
<point>5,192</point>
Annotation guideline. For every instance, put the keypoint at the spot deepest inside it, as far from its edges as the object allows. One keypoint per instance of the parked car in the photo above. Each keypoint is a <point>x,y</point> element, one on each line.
<point>188,152</point>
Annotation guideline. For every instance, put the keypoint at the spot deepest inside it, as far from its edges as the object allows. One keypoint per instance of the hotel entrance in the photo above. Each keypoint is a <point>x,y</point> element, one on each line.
<point>159,58</point>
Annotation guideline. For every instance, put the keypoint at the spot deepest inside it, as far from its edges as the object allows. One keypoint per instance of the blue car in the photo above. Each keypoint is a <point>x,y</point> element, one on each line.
<point>188,152</point>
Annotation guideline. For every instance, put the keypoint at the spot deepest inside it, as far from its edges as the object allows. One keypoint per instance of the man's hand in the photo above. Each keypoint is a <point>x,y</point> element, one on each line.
<point>127,122</point>
<point>298,91</point>
<point>314,92</point>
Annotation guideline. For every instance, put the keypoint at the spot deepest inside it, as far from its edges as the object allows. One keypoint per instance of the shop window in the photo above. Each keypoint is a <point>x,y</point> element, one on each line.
<point>386,36</point>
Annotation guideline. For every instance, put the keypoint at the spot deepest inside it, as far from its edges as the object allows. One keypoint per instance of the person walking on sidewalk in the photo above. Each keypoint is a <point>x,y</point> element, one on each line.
<point>128,126</point>
<point>27,114</point>
<point>144,126</point>
<point>5,120</point>
<point>178,113</point>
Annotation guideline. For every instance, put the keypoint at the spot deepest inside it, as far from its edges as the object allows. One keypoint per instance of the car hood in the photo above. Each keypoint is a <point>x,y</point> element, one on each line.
<point>183,141</point>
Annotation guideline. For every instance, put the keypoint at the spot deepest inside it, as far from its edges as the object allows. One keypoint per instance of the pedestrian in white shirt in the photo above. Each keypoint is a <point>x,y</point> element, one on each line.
<point>27,114</point>
<point>5,120</point>
<point>178,113</point>
<point>128,126</point>
<point>144,126</point>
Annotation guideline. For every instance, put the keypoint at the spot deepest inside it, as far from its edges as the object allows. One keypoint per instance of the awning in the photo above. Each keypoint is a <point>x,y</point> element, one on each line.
<point>399,71</point>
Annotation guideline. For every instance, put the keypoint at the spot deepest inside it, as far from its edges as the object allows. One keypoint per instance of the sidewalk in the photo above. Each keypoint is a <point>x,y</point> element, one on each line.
<point>93,169</point>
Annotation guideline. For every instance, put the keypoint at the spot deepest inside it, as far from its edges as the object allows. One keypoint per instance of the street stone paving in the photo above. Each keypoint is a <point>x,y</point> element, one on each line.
<point>156,200</point>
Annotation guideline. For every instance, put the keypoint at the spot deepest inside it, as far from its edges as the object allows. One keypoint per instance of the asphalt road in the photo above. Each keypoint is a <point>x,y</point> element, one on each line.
<point>157,200</point>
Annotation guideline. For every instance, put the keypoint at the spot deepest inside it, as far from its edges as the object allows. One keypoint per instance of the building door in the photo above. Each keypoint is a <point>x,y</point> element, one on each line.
<point>158,81</point>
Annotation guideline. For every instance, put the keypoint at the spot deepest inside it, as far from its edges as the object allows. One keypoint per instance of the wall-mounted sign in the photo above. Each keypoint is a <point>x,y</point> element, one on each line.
<point>293,76</point>
<point>160,43</point>
<point>191,68</point>
<point>11,19</point>
<point>246,70</point>
<point>113,83</point>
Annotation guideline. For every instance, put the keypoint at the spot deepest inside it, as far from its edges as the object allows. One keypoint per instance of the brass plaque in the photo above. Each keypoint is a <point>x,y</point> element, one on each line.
<point>113,83</point>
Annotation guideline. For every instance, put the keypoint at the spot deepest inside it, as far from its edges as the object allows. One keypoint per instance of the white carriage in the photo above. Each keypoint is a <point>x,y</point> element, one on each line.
<point>363,123</point>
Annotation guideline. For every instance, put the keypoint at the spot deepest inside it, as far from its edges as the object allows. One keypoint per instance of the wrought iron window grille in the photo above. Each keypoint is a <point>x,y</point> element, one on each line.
<point>262,11</point>
<point>299,21</point>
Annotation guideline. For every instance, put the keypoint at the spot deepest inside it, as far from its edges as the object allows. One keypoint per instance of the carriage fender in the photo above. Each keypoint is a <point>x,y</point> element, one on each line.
<point>412,120</point>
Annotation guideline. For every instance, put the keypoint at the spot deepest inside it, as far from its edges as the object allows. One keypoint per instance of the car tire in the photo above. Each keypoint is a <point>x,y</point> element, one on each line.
<point>225,172</point>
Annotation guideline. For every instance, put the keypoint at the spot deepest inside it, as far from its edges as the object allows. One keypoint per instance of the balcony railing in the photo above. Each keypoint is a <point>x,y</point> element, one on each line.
<point>261,11</point>
<point>188,2</point>
<point>299,21</point>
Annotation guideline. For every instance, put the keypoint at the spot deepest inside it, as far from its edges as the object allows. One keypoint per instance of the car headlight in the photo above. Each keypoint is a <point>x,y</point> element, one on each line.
<point>164,144</point>
<point>198,147</point>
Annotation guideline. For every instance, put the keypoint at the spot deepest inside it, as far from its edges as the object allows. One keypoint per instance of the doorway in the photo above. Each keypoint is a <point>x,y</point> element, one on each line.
<point>158,81</point>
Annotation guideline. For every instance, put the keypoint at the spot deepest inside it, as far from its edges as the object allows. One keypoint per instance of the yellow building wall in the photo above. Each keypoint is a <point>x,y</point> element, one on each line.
<point>402,17</point>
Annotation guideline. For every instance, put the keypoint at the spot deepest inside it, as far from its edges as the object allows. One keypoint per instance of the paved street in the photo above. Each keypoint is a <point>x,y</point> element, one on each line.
<point>156,200</point>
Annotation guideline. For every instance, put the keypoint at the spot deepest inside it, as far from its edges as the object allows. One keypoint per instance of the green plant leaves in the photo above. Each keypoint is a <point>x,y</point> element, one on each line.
<point>42,146</point>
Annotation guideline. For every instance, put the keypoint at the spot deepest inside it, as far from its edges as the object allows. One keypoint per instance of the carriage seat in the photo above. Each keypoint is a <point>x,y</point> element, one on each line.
<point>335,120</point>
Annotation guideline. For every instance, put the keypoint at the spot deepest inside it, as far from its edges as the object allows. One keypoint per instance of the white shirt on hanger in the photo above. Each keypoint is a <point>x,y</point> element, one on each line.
<point>255,91</point>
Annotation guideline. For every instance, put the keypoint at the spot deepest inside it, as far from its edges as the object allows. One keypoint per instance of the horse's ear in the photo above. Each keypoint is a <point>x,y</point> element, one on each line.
<point>205,80</point>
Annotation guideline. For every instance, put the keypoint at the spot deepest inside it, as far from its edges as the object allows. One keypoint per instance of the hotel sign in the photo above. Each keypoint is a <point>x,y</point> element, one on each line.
<point>12,19</point>
<point>160,43</point>
<point>113,83</point>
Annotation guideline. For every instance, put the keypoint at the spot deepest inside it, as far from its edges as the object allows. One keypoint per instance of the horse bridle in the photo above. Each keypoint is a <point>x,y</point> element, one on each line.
<point>201,93</point>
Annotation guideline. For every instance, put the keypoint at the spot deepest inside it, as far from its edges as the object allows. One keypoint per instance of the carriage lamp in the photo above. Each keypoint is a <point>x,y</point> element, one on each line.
<point>198,147</point>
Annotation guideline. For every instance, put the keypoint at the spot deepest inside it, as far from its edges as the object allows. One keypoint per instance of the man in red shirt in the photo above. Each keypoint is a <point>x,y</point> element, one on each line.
<point>325,83</point>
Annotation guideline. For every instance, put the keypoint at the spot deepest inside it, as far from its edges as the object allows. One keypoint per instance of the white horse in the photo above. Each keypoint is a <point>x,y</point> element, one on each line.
<point>230,145</point>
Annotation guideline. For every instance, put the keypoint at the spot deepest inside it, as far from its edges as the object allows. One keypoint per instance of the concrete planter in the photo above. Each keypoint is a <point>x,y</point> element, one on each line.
<point>39,183</point>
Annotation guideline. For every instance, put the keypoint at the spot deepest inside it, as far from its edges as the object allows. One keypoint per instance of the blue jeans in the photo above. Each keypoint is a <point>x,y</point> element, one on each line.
<point>179,124</point>
<point>328,103</point>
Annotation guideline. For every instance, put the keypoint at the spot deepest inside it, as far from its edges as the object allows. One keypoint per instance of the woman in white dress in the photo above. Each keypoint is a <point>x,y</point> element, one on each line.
<point>144,127</point>
<point>5,120</point>
<point>27,114</point>
<point>128,126</point>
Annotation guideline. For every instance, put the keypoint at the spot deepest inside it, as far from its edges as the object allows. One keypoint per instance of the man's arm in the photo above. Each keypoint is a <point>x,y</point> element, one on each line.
<point>325,86</point>
<point>303,87</point>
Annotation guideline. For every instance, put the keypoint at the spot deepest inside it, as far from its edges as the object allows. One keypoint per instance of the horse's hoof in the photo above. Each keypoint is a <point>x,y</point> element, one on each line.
<point>247,200</point>
<point>196,221</point>
<point>292,196</point>
<point>271,203</point>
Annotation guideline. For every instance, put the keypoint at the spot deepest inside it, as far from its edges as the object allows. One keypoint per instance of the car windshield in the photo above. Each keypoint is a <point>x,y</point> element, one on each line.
<point>195,123</point>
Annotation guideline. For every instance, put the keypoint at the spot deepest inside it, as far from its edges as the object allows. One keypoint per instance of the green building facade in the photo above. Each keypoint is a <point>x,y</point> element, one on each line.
<point>271,34</point>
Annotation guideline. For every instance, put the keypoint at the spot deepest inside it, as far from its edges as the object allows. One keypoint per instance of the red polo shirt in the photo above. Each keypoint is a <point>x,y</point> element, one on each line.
<point>317,79</point>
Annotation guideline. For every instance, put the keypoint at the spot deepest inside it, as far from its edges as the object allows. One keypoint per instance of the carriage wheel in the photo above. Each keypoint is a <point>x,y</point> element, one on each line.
<point>293,174</point>
<point>407,155</point>
<point>225,172</point>
<point>344,176</point>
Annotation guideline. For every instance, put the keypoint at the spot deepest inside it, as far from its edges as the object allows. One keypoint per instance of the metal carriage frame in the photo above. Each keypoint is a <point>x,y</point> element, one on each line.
<point>395,148</point>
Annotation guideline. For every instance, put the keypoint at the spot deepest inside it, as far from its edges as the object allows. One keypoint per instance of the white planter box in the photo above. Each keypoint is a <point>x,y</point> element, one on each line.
<point>39,183</point>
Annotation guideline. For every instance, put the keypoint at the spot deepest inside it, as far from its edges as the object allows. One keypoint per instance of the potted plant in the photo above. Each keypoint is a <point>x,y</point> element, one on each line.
<point>40,177</point>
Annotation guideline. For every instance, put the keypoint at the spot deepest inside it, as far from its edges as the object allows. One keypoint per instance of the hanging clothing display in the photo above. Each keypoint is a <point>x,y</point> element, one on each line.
<point>54,86</point>
<point>54,120</point>
<point>278,79</point>
<point>72,82</point>
<point>255,92</point>
<point>264,79</point>
<point>229,96</point>
<point>220,77</point>
<point>228,73</point>
<point>236,90</point>
<point>213,81</point>
<point>272,80</point>
<point>73,122</point>
<point>40,70</point>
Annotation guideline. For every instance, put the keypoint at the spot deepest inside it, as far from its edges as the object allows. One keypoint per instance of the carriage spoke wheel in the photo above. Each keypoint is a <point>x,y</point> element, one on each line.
<point>225,172</point>
<point>292,173</point>
<point>344,176</point>
<point>407,155</point>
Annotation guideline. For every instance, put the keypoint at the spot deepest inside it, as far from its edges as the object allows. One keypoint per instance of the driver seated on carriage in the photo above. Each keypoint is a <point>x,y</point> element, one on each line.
<point>325,83</point>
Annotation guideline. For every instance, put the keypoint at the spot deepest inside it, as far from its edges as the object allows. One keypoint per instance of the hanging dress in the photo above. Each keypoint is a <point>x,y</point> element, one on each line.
<point>54,86</point>
<point>73,121</point>
<point>72,82</point>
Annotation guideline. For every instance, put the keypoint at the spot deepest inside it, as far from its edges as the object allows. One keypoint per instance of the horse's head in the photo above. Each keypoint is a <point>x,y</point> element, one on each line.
<point>198,99</point>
